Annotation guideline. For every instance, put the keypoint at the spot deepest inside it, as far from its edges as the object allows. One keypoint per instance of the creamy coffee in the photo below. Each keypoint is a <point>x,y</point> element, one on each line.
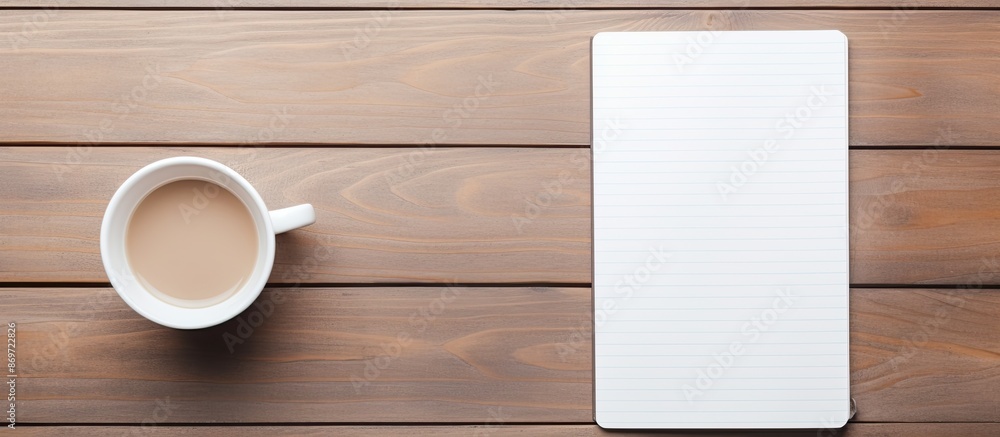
<point>192,243</point>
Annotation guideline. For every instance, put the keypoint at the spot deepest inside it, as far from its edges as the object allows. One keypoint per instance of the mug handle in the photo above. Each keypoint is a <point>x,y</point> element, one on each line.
<point>286,219</point>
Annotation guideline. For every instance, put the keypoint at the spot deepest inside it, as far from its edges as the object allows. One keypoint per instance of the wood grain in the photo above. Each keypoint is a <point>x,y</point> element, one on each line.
<point>923,354</point>
<point>473,215</point>
<point>383,214</point>
<point>411,354</point>
<point>925,217</point>
<point>220,77</point>
<point>513,354</point>
<point>496,429</point>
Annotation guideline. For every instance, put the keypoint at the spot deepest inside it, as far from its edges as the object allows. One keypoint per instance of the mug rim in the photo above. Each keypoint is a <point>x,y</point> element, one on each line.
<point>196,318</point>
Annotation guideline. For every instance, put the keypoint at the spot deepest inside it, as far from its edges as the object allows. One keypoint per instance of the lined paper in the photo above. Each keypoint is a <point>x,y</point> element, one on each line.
<point>720,229</point>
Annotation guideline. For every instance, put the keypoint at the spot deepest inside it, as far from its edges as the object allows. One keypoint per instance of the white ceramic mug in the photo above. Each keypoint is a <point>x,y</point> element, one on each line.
<point>159,173</point>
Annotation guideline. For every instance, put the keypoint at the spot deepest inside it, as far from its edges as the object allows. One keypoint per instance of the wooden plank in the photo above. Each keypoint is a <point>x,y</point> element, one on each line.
<point>925,217</point>
<point>925,355</point>
<point>899,5</point>
<point>411,354</point>
<point>222,76</point>
<point>498,429</point>
<point>518,354</point>
<point>472,215</point>
<point>383,214</point>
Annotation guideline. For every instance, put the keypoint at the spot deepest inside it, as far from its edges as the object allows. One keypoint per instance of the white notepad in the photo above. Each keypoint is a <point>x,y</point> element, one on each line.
<point>720,229</point>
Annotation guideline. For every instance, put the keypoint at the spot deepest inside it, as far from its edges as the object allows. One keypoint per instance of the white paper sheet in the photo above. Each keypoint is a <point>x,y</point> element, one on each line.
<point>720,229</point>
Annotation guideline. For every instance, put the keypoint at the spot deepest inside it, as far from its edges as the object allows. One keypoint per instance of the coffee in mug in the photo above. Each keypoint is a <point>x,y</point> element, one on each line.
<point>192,243</point>
<point>188,243</point>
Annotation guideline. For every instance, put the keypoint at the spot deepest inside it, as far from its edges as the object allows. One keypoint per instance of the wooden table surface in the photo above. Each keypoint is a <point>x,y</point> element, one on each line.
<point>445,287</point>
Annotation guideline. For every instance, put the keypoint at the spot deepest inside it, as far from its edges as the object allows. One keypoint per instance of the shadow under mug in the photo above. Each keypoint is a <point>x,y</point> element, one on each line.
<point>149,178</point>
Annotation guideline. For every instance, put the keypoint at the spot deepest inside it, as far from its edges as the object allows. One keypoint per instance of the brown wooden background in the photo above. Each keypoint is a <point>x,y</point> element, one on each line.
<point>424,226</point>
